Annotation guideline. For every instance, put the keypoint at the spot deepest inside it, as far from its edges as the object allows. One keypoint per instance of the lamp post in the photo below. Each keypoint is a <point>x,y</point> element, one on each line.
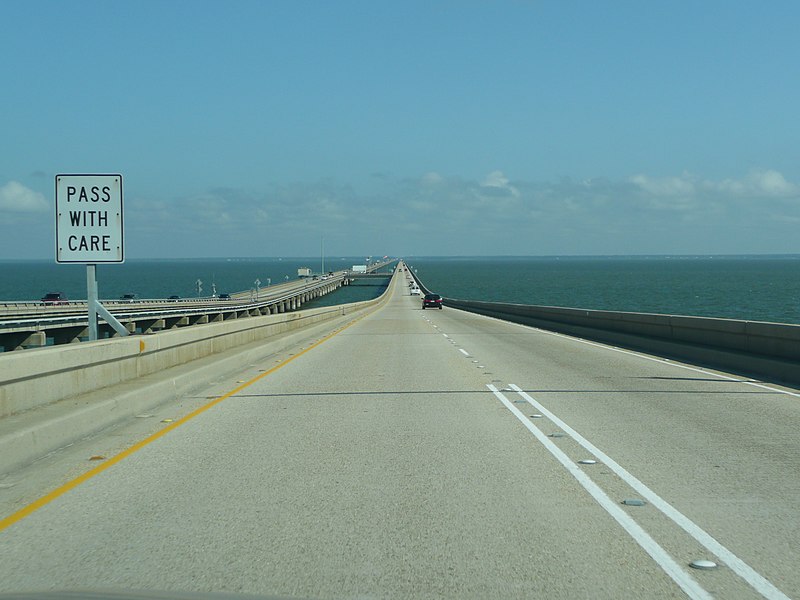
<point>258,288</point>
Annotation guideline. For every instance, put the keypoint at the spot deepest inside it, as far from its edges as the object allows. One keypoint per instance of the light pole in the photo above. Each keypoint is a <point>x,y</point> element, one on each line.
<point>199,285</point>
<point>258,288</point>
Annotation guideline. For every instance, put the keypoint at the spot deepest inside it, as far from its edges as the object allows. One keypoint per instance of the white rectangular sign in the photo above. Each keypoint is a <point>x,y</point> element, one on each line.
<point>89,226</point>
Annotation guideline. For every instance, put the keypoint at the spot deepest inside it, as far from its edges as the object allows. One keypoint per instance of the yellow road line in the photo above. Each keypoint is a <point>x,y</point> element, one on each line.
<point>47,498</point>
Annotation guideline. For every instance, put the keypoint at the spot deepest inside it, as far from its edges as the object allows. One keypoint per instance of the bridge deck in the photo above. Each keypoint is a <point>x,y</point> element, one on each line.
<point>379,462</point>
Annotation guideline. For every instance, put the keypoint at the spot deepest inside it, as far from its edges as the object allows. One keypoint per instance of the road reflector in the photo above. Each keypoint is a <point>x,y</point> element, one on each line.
<point>703,564</point>
<point>633,502</point>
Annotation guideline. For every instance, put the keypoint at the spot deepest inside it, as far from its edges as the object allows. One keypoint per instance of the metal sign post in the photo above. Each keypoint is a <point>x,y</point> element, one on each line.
<point>89,230</point>
<point>91,300</point>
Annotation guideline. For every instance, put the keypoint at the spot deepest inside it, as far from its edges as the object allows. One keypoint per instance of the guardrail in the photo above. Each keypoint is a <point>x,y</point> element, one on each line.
<point>68,324</point>
<point>755,348</point>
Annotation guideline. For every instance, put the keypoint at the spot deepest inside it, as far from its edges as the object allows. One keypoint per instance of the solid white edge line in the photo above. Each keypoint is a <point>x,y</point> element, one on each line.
<point>737,565</point>
<point>758,384</point>
<point>639,535</point>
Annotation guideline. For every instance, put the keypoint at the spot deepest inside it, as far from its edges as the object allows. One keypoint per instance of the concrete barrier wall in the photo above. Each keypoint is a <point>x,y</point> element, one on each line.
<point>769,350</point>
<point>43,376</point>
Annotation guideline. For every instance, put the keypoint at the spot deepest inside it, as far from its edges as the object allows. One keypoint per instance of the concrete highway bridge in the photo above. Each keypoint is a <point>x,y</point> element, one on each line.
<point>32,324</point>
<point>376,450</point>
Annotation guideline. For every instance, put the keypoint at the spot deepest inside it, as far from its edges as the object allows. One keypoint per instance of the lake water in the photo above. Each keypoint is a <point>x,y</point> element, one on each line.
<point>757,288</point>
<point>26,280</point>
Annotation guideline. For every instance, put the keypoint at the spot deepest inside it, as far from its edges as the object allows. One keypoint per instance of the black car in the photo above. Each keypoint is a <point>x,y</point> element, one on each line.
<point>54,298</point>
<point>432,301</point>
<point>224,296</point>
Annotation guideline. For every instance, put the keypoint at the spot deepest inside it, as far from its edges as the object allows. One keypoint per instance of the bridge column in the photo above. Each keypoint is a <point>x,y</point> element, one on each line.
<point>70,335</point>
<point>24,339</point>
<point>152,326</point>
<point>130,326</point>
<point>175,322</point>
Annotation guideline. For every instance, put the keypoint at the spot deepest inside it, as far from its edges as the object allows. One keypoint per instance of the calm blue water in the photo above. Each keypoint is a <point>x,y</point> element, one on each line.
<point>758,288</point>
<point>26,280</point>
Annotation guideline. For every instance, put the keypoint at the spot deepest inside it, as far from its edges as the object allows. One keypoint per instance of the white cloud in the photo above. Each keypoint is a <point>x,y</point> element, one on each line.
<point>15,197</point>
<point>431,178</point>
<point>772,183</point>
<point>435,214</point>
<point>668,186</point>
<point>496,181</point>
<point>686,190</point>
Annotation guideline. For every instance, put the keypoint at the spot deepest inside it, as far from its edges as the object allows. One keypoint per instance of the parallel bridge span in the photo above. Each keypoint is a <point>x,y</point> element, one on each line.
<point>31,325</point>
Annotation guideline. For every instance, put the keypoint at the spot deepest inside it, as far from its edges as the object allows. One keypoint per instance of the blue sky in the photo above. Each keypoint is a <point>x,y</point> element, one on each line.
<point>408,128</point>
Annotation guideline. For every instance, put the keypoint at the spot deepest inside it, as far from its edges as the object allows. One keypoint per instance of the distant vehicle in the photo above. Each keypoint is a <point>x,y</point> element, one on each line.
<point>54,298</point>
<point>415,291</point>
<point>174,298</point>
<point>128,297</point>
<point>224,296</point>
<point>432,301</point>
